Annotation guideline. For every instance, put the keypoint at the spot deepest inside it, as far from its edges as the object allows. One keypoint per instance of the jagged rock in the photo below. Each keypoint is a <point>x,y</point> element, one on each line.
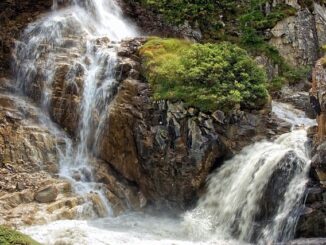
<point>164,148</point>
<point>312,222</point>
<point>296,38</point>
<point>318,162</point>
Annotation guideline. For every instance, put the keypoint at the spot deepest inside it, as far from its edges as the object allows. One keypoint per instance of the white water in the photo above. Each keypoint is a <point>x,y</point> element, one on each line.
<point>227,214</point>
<point>235,193</point>
<point>83,36</point>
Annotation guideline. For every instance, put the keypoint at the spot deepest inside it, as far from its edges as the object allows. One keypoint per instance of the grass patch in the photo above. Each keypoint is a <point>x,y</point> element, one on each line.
<point>12,237</point>
<point>206,76</point>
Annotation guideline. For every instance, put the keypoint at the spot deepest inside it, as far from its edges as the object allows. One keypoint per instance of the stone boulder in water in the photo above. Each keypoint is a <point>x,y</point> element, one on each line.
<point>274,192</point>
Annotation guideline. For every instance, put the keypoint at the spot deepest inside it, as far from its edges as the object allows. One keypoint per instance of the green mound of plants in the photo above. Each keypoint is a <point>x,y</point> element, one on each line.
<point>12,237</point>
<point>241,22</point>
<point>207,76</point>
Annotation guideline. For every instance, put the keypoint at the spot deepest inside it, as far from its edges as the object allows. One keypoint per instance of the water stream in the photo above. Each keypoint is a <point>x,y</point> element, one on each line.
<point>82,38</point>
<point>255,196</point>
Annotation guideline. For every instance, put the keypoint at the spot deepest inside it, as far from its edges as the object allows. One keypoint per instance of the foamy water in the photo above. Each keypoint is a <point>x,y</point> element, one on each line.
<point>127,229</point>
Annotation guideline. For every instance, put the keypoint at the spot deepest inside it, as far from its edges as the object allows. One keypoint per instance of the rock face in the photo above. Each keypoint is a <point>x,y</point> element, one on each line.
<point>288,167</point>
<point>165,148</point>
<point>30,190</point>
<point>299,38</point>
<point>28,162</point>
<point>312,222</point>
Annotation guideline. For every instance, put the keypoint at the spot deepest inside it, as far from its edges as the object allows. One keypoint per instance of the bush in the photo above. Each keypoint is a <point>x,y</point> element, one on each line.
<point>207,76</point>
<point>11,237</point>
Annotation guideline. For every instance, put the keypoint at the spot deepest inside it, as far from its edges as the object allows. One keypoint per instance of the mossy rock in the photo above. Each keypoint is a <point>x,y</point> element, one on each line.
<point>12,237</point>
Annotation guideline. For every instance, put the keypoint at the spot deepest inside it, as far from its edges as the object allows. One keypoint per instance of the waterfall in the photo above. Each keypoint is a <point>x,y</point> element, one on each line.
<point>75,45</point>
<point>256,196</point>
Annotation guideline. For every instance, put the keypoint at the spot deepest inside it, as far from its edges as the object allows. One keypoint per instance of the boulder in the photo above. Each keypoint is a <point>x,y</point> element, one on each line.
<point>46,195</point>
<point>312,223</point>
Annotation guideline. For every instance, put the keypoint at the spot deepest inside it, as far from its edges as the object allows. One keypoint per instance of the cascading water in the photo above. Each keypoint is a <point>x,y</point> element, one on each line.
<point>82,37</point>
<point>254,197</point>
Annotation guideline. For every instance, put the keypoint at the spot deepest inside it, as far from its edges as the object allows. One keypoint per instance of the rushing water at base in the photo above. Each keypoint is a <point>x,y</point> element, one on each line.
<point>254,197</point>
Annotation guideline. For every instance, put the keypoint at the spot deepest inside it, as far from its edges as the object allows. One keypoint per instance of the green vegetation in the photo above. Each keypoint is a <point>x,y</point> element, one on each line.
<point>202,14</point>
<point>11,237</point>
<point>241,22</point>
<point>207,76</point>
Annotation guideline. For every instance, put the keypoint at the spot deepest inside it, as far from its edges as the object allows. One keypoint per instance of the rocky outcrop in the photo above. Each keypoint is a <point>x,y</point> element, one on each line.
<point>46,194</point>
<point>288,167</point>
<point>312,222</point>
<point>165,148</point>
<point>28,162</point>
<point>299,38</point>
<point>30,190</point>
<point>296,38</point>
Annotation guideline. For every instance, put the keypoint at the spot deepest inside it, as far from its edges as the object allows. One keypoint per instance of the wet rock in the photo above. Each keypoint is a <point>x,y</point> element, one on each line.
<point>46,194</point>
<point>166,149</point>
<point>272,196</point>
<point>312,224</point>
<point>318,162</point>
<point>98,205</point>
<point>121,193</point>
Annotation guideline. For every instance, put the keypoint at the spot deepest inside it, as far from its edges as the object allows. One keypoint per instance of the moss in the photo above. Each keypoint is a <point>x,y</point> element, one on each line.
<point>207,76</point>
<point>11,237</point>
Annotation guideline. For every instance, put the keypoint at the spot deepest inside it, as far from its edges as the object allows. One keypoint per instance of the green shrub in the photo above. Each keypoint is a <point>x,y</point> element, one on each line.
<point>276,84</point>
<point>11,237</point>
<point>207,76</point>
<point>241,22</point>
<point>294,75</point>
